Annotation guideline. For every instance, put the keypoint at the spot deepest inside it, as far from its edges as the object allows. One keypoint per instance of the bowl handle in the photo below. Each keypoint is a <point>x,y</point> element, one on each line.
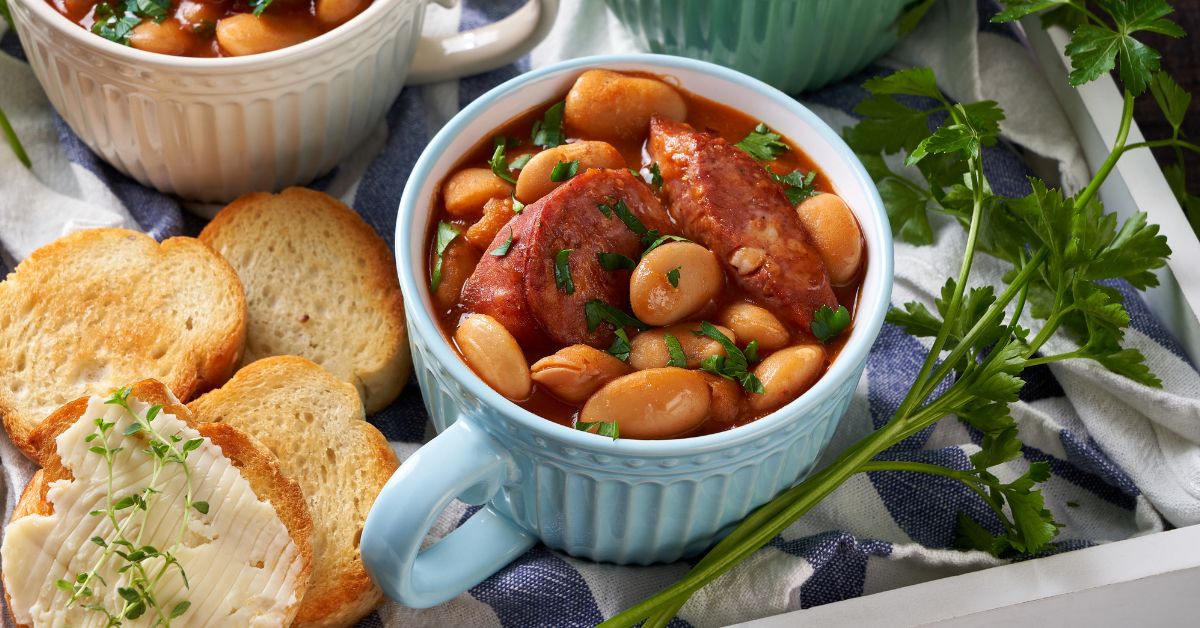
<point>484,48</point>
<point>461,460</point>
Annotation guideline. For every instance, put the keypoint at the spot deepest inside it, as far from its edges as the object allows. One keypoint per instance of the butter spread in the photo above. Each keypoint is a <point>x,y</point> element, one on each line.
<point>240,563</point>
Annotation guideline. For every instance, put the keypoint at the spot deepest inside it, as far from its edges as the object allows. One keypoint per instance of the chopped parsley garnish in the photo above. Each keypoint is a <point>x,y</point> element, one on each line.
<point>675,349</point>
<point>661,240</point>
<point>828,323</point>
<point>562,271</point>
<point>620,346</point>
<point>597,311</point>
<point>149,9</point>
<point>519,162</point>
<point>762,144</point>
<point>499,164</point>
<point>446,233</point>
<point>113,25</point>
<point>615,261</point>
<point>735,364</point>
<point>564,170</point>
<point>673,276</point>
<point>797,185</point>
<point>260,5</point>
<point>502,250</point>
<point>548,132</point>
<point>518,206</point>
<point>656,180</point>
<point>603,428</point>
<point>622,211</point>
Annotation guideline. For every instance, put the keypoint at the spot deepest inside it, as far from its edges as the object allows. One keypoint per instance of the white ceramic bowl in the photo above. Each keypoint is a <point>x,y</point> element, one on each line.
<point>213,129</point>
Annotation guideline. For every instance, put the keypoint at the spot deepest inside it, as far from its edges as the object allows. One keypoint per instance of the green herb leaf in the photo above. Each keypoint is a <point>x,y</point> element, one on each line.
<point>734,364</point>
<point>1017,9</point>
<point>258,6</point>
<point>180,609</point>
<point>602,428</point>
<point>65,586</point>
<point>502,250</point>
<point>620,347</point>
<point>135,610</point>
<point>1172,99</point>
<point>153,412</point>
<point>155,10</point>
<point>615,261</point>
<point>519,162</point>
<point>656,180</point>
<point>201,507</point>
<point>797,185</point>
<point>112,26</point>
<point>597,311</point>
<point>518,206</point>
<point>1094,49</point>
<point>673,276</point>
<point>980,127</point>
<point>193,444</point>
<point>675,350</point>
<point>562,271</point>
<point>499,164</point>
<point>564,170</point>
<point>828,323</point>
<point>446,233</point>
<point>762,144</point>
<point>99,541</point>
<point>132,429</point>
<point>548,132</point>
<point>661,240</point>
<point>6,14</point>
<point>912,16</point>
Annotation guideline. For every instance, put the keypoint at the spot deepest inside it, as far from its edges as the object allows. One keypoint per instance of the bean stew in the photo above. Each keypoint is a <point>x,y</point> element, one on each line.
<point>639,262</point>
<point>209,28</point>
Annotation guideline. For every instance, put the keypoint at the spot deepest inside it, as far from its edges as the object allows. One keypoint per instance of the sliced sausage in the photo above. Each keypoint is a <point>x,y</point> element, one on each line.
<point>720,197</point>
<point>519,289</point>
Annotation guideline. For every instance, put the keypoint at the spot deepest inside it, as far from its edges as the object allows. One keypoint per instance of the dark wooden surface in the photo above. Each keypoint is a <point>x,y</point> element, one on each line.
<point>1181,59</point>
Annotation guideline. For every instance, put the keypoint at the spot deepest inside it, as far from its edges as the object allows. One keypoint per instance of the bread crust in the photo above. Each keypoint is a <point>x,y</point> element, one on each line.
<point>256,463</point>
<point>379,373</point>
<point>345,592</point>
<point>124,337</point>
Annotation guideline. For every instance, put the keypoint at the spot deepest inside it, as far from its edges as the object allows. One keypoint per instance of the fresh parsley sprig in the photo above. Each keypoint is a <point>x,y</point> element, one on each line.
<point>13,141</point>
<point>1062,251</point>
<point>548,131</point>
<point>603,428</point>
<point>762,144</point>
<point>446,233</point>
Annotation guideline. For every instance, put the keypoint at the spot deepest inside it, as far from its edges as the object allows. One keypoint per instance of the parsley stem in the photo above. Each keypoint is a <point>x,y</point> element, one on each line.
<point>14,141</point>
<point>1111,161</point>
<point>915,393</point>
<point>1058,357</point>
<point>1173,143</point>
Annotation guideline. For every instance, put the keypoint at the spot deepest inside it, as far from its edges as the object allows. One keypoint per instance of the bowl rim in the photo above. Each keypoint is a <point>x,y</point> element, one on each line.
<point>345,32</point>
<point>867,322</point>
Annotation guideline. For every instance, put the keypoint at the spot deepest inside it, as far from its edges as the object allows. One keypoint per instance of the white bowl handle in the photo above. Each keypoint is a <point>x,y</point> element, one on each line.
<point>482,49</point>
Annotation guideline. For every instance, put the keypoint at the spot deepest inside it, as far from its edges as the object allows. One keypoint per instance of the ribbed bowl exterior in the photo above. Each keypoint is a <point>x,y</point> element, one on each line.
<point>794,45</point>
<point>212,134</point>
<point>610,507</point>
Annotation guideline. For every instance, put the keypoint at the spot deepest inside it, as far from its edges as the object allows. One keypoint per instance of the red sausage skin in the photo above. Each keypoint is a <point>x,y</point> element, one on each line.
<point>519,289</point>
<point>720,197</point>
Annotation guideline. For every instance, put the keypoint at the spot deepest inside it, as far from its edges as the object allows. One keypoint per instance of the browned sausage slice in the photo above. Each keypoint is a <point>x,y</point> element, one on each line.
<point>519,289</point>
<point>720,197</point>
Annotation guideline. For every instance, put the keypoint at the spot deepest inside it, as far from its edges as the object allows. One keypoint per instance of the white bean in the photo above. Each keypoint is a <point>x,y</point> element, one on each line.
<point>494,355</point>
<point>656,403</point>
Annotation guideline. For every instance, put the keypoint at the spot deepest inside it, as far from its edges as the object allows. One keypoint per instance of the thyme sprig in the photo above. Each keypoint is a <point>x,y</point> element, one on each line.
<point>131,511</point>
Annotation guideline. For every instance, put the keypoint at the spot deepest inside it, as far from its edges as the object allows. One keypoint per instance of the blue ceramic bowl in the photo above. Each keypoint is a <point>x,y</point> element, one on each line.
<point>625,501</point>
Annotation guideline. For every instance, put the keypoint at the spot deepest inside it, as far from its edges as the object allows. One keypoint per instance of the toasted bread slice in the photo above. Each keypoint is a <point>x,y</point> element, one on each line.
<point>314,423</point>
<point>286,556</point>
<point>98,308</point>
<point>320,284</point>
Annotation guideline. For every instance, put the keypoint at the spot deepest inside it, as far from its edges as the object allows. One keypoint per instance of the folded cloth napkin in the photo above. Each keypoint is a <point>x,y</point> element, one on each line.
<point>1125,458</point>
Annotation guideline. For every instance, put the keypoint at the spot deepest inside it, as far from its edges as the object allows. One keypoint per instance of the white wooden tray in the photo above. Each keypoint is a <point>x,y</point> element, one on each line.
<point>1147,581</point>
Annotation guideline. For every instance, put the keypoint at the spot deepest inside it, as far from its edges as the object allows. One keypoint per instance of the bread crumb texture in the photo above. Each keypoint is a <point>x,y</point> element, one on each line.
<point>97,309</point>
<point>314,424</point>
<point>320,283</point>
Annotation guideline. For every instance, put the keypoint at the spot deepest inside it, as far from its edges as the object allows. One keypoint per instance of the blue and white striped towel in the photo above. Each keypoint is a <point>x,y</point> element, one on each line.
<point>1125,458</point>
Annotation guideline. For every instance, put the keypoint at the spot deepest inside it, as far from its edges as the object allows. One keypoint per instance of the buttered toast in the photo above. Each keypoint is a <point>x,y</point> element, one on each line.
<point>98,308</point>
<point>314,424</point>
<point>239,529</point>
<point>320,284</point>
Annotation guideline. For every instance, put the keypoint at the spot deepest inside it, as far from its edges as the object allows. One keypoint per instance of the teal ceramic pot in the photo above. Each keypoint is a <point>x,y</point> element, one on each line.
<point>795,45</point>
<point>625,501</point>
